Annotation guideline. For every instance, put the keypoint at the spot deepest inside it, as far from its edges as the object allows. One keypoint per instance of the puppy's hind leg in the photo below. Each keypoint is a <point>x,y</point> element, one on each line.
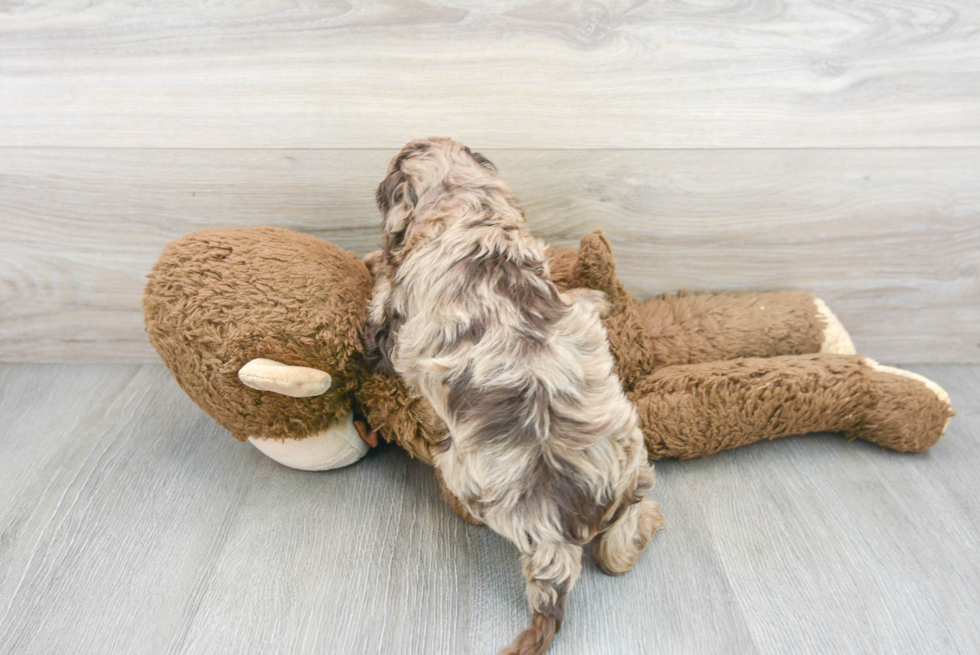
<point>551,570</point>
<point>616,549</point>
<point>458,507</point>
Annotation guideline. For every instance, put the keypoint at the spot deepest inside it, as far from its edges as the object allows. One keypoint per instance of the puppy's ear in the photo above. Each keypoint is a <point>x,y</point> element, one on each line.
<point>482,161</point>
<point>396,198</point>
<point>379,340</point>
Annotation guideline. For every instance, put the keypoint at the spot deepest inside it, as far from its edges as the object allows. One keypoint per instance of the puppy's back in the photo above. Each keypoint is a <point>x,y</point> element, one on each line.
<point>543,444</point>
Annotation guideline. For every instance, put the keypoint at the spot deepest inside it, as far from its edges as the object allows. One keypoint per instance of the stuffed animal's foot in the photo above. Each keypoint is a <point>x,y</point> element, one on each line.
<point>836,340</point>
<point>911,414</point>
<point>616,550</point>
<point>339,445</point>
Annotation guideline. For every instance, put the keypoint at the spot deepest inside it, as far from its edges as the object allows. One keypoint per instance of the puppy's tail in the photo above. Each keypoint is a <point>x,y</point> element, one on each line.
<point>550,571</point>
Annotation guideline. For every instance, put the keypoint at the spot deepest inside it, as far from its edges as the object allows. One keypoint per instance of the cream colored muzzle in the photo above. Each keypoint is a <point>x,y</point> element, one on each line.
<point>337,446</point>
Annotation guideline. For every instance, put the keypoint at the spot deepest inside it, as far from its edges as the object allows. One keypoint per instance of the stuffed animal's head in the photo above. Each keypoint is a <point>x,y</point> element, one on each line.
<point>219,299</point>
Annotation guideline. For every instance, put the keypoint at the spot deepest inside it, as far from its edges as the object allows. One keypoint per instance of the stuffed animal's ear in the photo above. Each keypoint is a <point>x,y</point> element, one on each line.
<point>596,268</point>
<point>295,381</point>
<point>595,262</point>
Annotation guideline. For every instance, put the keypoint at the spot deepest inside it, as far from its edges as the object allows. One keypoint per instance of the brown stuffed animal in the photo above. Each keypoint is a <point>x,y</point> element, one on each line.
<point>261,327</point>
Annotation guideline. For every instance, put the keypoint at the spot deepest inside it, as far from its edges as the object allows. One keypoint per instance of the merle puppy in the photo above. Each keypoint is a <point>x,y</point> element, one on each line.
<point>543,446</point>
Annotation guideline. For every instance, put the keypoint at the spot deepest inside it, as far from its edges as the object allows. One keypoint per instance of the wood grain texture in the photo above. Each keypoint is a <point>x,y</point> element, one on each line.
<point>105,550</point>
<point>516,74</point>
<point>144,528</point>
<point>40,407</point>
<point>378,564</point>
<point>890,238</point>
<point>861,532</point>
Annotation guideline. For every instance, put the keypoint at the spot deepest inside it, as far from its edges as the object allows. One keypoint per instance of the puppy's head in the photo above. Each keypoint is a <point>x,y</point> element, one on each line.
<point>421,173</point>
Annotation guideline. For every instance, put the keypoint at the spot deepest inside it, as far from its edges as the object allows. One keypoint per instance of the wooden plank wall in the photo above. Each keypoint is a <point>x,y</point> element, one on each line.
<point>824,145</point>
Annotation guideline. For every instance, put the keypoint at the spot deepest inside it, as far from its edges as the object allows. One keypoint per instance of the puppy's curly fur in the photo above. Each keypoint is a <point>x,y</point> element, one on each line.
<point>544,446</point>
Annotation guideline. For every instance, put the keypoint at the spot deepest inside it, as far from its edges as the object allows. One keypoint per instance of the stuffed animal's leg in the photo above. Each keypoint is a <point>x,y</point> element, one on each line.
<point>693,328</point>
<point>700,409</point>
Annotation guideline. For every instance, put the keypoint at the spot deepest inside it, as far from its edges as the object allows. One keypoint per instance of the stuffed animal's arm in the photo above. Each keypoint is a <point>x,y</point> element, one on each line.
<point>700,409</point>
<point>692,328</point>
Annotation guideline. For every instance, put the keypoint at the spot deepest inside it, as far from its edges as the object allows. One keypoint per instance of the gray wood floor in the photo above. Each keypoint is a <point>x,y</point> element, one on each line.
<point>130,523</point>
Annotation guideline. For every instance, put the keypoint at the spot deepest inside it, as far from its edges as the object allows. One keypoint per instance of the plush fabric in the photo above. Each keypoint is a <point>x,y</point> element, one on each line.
<point>687,328</point>
<point>219,298</point>
<point>699,409</point>
<point>706,371</point>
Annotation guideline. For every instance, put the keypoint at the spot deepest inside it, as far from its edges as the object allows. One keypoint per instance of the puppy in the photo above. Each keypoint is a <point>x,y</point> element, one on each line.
<point>543,446</point>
